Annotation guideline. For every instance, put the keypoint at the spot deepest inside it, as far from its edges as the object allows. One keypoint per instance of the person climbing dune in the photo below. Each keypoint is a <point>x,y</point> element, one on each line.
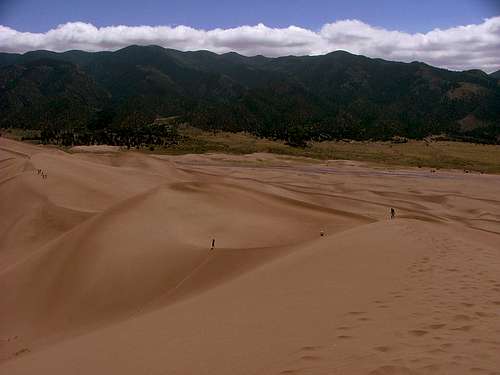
<point>393,213</point>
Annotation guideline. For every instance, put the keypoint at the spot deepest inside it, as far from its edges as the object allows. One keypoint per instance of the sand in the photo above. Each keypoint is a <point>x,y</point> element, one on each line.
<point>106,267</point>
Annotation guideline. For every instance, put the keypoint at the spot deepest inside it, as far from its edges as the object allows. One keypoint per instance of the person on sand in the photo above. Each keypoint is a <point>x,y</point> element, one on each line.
<point>213,244</point>
<point>321,232</point>
<point>393,213</point>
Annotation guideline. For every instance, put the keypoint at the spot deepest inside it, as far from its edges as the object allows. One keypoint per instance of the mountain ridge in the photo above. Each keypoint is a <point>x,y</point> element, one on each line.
<point>495,74</point>
<point>331,96</point>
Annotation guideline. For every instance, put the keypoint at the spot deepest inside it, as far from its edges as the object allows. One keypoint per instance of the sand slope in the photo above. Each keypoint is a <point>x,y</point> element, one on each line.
<point>105,266</point>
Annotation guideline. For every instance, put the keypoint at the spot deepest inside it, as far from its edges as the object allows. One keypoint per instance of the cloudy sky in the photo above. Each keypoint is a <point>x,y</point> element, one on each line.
<point>455,34</point>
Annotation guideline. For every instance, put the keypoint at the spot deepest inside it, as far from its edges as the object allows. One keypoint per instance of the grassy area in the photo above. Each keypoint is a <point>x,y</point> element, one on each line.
<point>20,134</point>
<point>444,155</point>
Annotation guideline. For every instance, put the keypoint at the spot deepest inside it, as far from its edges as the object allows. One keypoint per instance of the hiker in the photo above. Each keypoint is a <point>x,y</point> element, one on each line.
<point>213,244</point>
<point>393,213</point>
<point>321,233</point>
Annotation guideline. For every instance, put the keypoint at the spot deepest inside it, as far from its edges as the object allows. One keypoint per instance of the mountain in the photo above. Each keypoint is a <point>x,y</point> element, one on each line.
<point>338,95</point>
<point>495,74</point>
<point>47,92</point>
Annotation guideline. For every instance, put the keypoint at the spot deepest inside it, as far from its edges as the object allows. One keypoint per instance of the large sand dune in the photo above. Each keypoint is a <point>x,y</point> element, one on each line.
<point>106,267</point>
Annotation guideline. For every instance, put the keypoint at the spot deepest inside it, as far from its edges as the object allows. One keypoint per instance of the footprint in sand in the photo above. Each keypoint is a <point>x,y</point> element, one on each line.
<point>436,351</point>
<point>310,348</point>
<point>418,332</point>
<point>22,351</point>
<point>429,369</point>
<point>466,304</point>
<point>463,328</point>
<point>344,328</point>
<point>383,349</point>
<point>462,318</point>
<point>310,358</point>
<point>485,315</point>
<point>391,370</point>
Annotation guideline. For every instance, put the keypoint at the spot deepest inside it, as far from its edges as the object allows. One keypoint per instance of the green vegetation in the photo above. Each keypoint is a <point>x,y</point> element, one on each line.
<point>160,100</point>
<point>433,154</point>
<point>158,133</point>
<point>80,98</point>
<point>427,153</point>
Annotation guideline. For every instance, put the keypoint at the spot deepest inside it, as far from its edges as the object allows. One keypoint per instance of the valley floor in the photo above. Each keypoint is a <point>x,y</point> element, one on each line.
<point>106,267</point>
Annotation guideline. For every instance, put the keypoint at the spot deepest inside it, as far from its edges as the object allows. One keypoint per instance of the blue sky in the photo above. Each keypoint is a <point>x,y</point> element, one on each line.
<point>403,15</point>
<point>453,34</point>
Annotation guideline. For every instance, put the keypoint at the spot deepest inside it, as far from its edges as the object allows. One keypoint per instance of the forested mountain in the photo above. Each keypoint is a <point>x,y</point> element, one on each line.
<point>338,95</point>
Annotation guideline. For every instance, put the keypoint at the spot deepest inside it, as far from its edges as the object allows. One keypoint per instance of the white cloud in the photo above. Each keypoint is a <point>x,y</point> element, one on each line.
<point>464,47</point>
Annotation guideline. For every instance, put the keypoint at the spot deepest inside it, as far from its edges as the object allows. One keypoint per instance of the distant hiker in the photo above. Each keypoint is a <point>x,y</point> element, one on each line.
<point>213,244</point>
<point>321,233</point>
<point>393,213</point>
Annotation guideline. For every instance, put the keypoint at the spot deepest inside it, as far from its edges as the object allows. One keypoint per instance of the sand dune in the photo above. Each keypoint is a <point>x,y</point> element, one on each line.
<point>106,267</point>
